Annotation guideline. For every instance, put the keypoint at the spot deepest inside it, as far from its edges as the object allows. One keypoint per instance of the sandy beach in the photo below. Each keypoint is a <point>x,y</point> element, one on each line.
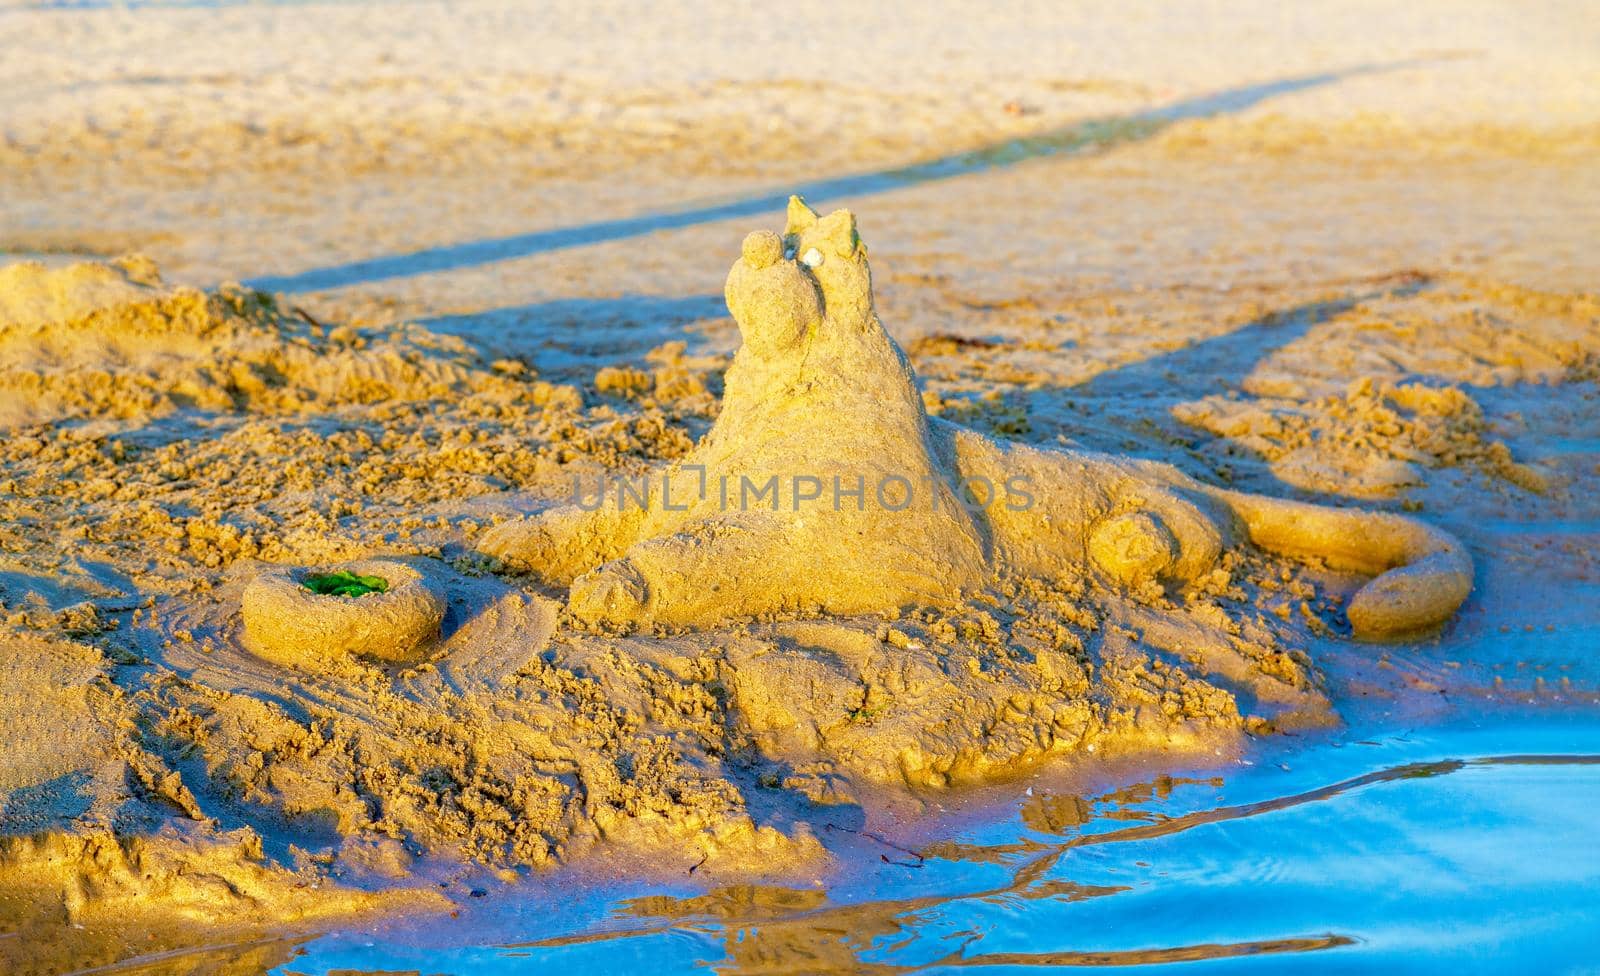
<point>299,287</point>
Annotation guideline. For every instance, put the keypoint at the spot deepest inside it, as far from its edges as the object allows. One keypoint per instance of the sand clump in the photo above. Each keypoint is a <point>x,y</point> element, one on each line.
<point>104,848</point>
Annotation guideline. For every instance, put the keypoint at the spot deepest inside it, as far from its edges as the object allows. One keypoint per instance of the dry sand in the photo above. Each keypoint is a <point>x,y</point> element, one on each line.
<point>1342,255</point>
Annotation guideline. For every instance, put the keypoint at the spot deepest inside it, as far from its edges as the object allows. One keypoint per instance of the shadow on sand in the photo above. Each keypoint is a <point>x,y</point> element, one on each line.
<point>1153,387</point>
<point>569,338</point>
<point>1086,136</point>
<point>1225,361</point>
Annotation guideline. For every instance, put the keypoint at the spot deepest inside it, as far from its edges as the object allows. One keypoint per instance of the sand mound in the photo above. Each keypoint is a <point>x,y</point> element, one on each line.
<point>1135,612</point>
<point>109,340</point>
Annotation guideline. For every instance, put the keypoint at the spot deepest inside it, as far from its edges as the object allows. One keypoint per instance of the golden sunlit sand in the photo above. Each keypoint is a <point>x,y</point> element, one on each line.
<point>1214,345</point>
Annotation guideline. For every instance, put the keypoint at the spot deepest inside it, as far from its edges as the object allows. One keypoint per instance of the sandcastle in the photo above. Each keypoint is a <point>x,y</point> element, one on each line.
<point>824,486</point>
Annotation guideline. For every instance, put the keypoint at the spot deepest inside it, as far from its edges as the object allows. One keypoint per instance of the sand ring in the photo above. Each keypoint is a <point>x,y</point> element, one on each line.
<point>288,624</point>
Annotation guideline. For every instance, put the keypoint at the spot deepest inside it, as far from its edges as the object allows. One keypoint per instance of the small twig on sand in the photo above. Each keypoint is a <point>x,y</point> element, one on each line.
<point>920,860</point>
<point>309,319</point>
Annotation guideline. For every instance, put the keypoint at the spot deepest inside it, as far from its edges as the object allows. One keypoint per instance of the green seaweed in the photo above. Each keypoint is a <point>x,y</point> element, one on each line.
<point>344,583</point>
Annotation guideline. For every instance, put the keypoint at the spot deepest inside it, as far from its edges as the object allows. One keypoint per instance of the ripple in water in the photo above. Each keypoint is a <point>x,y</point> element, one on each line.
<point>1388,856</point>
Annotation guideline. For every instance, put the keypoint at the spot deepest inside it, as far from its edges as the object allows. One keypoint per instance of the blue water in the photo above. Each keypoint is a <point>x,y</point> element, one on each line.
<point>1439,851</point>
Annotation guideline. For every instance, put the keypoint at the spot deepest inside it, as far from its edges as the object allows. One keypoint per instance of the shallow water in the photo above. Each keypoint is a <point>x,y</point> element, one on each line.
<point>1445,850</point>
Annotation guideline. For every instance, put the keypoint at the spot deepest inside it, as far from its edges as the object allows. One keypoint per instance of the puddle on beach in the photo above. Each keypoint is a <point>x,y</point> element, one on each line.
<point>1443,850</point>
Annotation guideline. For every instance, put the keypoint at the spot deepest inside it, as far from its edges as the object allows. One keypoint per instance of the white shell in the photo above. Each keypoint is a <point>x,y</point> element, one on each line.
<point>812,258</point>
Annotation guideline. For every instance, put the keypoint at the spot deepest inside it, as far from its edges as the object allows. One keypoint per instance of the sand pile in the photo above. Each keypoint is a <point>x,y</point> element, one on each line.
<point>109,340</point>
<point>709,688</point>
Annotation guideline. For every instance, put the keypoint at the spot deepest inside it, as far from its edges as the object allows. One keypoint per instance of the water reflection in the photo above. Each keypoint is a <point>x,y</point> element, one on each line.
<point>1412,865</point>
<point>765,929</point>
